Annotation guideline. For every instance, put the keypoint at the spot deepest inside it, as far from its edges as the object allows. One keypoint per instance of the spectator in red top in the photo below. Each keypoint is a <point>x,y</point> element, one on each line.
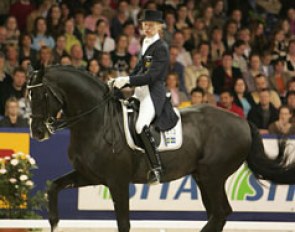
<point>20,10</point>
<point>227,102</point>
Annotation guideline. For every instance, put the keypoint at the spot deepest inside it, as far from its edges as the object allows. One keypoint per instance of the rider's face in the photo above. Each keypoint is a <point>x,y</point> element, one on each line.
<point>151,28</point>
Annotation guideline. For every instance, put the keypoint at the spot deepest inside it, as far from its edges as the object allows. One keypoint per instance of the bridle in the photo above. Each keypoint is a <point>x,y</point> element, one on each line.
<point>54,124</point>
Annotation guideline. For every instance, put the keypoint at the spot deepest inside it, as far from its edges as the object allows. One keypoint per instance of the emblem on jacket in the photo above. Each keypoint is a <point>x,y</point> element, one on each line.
<point>147,62</point>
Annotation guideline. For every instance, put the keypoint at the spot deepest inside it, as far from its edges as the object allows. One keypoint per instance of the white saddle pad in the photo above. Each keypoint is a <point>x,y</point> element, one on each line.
<point>170,140</point>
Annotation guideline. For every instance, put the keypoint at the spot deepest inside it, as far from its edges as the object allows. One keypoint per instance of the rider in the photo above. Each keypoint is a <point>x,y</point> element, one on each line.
<point>149,79</point>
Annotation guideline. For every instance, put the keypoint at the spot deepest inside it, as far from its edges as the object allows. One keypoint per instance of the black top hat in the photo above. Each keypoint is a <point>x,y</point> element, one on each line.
<point>152,15</point>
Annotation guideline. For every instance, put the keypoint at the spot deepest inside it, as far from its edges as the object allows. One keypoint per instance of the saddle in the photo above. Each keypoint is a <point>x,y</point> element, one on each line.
<point>165,141</point>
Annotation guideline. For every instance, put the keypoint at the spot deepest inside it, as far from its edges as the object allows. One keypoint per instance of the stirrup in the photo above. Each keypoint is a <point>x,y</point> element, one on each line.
<point>154,176</point>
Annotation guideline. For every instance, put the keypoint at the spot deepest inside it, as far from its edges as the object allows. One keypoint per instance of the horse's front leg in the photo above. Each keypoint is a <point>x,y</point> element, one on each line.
<point>70,180</point>
<point>120,194</point>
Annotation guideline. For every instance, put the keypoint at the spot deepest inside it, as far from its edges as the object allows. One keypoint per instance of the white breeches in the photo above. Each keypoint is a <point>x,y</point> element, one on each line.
<point>146,109</point>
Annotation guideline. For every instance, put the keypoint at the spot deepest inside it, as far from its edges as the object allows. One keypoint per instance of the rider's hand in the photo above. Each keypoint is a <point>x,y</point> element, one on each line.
<point>120,82</point>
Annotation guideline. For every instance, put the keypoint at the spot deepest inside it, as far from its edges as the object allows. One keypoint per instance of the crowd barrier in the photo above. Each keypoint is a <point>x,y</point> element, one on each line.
<point>176,201</point>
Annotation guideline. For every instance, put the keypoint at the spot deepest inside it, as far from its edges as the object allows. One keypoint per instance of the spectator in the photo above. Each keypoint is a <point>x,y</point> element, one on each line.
<point>12,60</point>
<point>262,83</point>
<point>184,56</point>
<point>245,35</point>
<point>283,126</point>
<point>96,14</point>
<point>181,21</point>
<point>134,9</point>
<point>229,35</point>
<point>267,67</point>
<point>279,45</point>
<point>197,96</point>
<point>54,21</point>
<point>77,57</point>
<point>65,11</point>
<point>24,63</point>
<point>253,70</point>
<point>65,60</point>
<point>204,83</point>
<point>103,42</point>
<point>41,36</point>
<point>199,32</point>
<point>93,68</point>
<point>25,49</point>
<point>80,29</point>
<point>219,16</point>
<point>217,47</point>
<point>71,39</point>
<point>204,49</point>
<point>45,57</point>
<point>258,40</point>
<point>12,117</point>
<point>193,71</point>
<point>290,58</point>
<point>3,34</point>
<point>223,77</point>
<point>242,98</point>
<point>89,51</point>
<point>290,102</point>
<point>13,32</point>
<point>239,60</point>
<point>60,49</point>
<point>4,76</point>
<point>189,44</point>
<point>133,41</point>
<point>291,18</point>
<point>207,15</point>
<point>169,29</point>
<point>263,114</point>
<point>177,67</point>
<point>227,102</point>
<point>172,84</point>
<point>106,66</point>
<point>191,11</point>
<point>278,81</point>
<point>16,88</point>
<point>20,10</point>
<point>120,18</point>
<point>237,16</point>
<point>120,56</point>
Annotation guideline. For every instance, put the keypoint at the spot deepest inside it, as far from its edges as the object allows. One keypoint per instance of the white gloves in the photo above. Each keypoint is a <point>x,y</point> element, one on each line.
<point>120,82</point>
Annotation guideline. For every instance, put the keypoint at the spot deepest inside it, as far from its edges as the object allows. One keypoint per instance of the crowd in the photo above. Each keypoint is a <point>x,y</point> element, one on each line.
<point>234,54</point>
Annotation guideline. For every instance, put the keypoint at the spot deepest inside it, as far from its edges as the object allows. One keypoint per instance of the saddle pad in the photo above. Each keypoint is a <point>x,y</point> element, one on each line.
<point>170,140</point>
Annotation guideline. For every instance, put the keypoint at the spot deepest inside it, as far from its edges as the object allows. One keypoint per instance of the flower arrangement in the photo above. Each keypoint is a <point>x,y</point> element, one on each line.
<point>16,184</point>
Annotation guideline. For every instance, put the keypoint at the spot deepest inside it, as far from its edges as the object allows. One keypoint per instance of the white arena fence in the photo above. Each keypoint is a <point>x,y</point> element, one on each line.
<point>161,225</point>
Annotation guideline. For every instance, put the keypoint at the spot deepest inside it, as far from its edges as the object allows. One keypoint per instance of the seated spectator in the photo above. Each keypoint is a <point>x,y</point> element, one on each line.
<point>133,41</point>
<point>103,42</point>
<point>290,102</point>
<point>227,102</point>
<point>184,57</point>
<point>283,126</point>
<point>4,77</point>
<point>3,33</point>
<point>96,14</point>
<point>106,66</point>
<point>16,88</point>
<point>252,71</point>
<point>12,60</point>
<point>266,65</point>
<point>217,47</point>
<point>172,84</point>
<point>263,114</point>
<point>77,57</point>
<point>197,96</point>
<point>177,67</point>
<point>229,36</point>
<point>260,84</point>
<point>204,49</point>
<point>120,56</point>
<point>169,29</point>
<point>65,60</point>
<point>93,68</point>
<point>71,39</point>
<point>60,49</point>
<point>223,76</point>
<point>239,60</point>
<point>290,58</point>
<point>40,35</point>
<point>26,50</point>
<point>181,15</point>
<point>204,82</point>
<point>45,57</point>
<point>193,71</point>
<point>79,22</point>
<point>12,117</point>
<point>244,34</point>
<point>54,21</point>
<point>242,97</point>
<point>13,32</point>
<point>278,81</point>
<point>90,52</point>
<point>199,31</point>
<point>279,45</point>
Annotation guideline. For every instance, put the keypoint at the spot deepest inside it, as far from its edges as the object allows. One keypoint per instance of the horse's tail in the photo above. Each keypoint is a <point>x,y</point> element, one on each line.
<point>265,168</point>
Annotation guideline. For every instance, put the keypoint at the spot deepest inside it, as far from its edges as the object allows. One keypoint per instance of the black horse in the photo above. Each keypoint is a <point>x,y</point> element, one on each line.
<point>215,144</point>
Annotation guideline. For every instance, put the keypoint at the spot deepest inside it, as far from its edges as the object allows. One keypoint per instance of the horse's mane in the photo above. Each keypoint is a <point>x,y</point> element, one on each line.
<point>84,73</point>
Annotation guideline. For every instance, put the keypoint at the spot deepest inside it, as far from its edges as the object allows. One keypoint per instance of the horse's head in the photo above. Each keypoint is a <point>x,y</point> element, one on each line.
<point>45,104</point>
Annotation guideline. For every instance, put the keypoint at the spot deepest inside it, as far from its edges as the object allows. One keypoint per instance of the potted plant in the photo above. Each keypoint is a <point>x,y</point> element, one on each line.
<point>16,185</point>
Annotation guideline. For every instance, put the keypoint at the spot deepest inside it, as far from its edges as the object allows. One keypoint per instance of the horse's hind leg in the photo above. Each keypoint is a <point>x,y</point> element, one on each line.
<point>215,201</point>
<point>70,180</point>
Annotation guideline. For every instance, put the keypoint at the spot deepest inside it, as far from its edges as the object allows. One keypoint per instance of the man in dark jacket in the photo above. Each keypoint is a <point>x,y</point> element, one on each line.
<point>149,79</point>
<point>264,113</point>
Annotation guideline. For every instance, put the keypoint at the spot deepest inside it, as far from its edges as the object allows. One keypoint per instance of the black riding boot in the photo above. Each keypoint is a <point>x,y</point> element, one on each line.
<point>149,143</point>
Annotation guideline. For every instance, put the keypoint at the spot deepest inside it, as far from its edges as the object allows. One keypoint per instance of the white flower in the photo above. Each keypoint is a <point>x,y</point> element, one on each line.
<point>14,162</point>
<point>32,161</point>
<point>15,155</point>
<point>23,177</point>
<point>3,171</point>
<point>12,180</point>
<point>7,158</point>
<point>20,170</point>
<point>29,183</point>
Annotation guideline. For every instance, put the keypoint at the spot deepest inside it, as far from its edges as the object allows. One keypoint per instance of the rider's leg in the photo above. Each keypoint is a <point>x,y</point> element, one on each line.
<point>146,115</point>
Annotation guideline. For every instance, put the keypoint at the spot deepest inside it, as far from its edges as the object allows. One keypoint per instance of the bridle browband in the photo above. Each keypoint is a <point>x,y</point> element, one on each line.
<point>54,124</point>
